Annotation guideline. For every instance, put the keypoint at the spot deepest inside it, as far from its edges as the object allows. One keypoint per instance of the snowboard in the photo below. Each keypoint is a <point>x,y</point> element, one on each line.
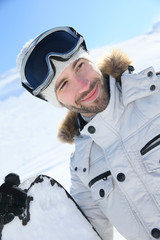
<point>51,214</point>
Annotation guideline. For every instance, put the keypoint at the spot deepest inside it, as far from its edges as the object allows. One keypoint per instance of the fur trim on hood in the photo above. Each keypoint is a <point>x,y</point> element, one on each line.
<point>114,64</point>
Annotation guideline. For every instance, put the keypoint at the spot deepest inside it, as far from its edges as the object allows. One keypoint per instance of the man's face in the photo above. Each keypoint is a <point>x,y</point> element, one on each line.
<point>80,88</point>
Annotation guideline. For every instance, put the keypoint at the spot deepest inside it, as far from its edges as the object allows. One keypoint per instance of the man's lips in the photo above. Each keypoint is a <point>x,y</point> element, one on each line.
<point>91,96</point>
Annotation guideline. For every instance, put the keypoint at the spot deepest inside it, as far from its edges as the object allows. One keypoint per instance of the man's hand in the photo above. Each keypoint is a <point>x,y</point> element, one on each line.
<point>12,199</point>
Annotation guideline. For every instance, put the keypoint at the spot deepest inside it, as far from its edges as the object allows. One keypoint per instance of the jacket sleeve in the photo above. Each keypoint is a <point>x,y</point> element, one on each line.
<point>83,198</point>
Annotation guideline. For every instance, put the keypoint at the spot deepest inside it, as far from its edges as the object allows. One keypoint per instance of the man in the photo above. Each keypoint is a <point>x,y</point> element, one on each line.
<point>114,121</point>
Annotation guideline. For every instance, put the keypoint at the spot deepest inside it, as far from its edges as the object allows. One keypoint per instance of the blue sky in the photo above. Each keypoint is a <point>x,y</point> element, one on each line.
<point>101,22</point>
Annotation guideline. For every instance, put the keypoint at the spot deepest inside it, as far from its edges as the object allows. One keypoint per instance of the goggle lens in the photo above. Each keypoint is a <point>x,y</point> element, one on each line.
<point>36,68</point>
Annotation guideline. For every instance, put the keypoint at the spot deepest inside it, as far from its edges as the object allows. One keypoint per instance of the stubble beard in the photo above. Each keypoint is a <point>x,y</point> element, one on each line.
<point>98,105</point>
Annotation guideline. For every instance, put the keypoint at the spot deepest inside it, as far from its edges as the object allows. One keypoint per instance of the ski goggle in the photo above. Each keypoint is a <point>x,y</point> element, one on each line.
<point>58,43</point>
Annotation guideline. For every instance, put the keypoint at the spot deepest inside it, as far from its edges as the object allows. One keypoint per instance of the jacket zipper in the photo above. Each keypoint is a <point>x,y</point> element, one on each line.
<point>103,176</point>
<point>150,145</point>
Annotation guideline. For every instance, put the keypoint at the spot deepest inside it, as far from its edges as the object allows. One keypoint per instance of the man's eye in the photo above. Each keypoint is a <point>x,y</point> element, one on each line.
<point>62,85</point>
<point>79,66</point>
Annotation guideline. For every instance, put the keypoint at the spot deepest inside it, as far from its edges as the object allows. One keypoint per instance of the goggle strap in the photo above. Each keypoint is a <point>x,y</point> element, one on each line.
<point>40,96</point>
<point>28,88</point>
<point>31,91</point>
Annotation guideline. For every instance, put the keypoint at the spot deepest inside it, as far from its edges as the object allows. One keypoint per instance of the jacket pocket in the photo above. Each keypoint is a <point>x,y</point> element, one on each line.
<point>151,154</point>
<point>101,186</point>
<point>153,143</point>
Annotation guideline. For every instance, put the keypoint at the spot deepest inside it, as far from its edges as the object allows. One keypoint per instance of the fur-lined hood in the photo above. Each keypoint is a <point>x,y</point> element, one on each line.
<point>114,64</point>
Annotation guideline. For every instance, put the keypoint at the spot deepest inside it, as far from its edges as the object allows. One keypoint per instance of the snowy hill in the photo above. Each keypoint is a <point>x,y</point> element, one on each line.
<point>28,126</point>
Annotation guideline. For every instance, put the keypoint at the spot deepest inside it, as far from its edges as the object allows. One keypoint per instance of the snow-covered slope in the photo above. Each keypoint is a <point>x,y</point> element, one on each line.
<point>28,126</point>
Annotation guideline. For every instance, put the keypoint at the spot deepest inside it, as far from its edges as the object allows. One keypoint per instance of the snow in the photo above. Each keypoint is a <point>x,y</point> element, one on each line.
<point>28,126</point>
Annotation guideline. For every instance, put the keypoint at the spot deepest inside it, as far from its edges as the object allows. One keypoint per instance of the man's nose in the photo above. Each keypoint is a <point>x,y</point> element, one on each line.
<point>82,84</point>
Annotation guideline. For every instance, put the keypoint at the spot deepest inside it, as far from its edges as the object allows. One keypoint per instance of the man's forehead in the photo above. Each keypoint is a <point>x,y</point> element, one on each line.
<point>71,66</point>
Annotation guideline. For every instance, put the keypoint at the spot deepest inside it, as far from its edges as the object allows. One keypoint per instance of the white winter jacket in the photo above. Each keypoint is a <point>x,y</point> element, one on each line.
<point>115,168</point>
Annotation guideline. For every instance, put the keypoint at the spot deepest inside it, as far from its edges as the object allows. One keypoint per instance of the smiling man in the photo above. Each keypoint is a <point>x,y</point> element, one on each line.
<point>80,88</point>
<point>114,121</point>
